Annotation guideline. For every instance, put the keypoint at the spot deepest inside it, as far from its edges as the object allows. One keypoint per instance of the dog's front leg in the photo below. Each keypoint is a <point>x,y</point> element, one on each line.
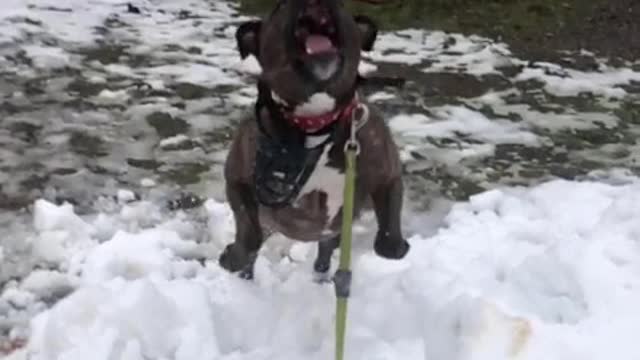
<point>325,251</point>
<point>241,254</point>
<point>322,264</point>
<point>387,203</point>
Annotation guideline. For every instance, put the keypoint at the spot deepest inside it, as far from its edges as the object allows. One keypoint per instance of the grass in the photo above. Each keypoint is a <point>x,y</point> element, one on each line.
<point>498,16</point>
<point>528,23</point>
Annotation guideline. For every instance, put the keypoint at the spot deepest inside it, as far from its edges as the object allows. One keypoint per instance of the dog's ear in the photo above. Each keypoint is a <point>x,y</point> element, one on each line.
<point>368,31</point>
<point>248,38</point>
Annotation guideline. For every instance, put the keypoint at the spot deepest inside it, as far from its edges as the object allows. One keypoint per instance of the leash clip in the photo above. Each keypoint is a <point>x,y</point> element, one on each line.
<point>359,118</point>
<point>342,283</point>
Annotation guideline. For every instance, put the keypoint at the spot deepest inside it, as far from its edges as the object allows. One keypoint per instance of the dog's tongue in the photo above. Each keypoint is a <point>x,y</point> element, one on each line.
<point>318,44</point>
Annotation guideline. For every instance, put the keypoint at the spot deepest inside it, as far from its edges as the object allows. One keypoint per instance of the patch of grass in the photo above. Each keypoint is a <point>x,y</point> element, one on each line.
<point>629,112</point>
<point>533,28</point>
<point>105,54</point>
<point>451,186</point>
<point>167,125</point>
<point>581,139</point>
<point>85,88</point>
<point>186,173</point>
<point>26,131</point>
<point>487,16</point>
<point>147,164</point>
<point>87,145</point>
<point>190,91</point>
<point>34,87</point>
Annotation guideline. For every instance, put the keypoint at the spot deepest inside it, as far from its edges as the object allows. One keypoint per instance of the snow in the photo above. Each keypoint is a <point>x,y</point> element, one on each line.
<point>250,65</point>
<point>474,133</point>
<point>480,56</point>
<point>174,141</point>
<point>365,68</point>
<point>381,96</point>
<point>59,230</point>
<point>567,82</point>
<point>125,195</point>
<point>449,52</point>
<point>195,74</point>
<point>522,273</point>
<point>47,57</point>
<point>534,118</point>
<point>114,96</point>
<point>146,182</point>
<point>46,283</point>
<point>450,120</point>
<point>550,271</point>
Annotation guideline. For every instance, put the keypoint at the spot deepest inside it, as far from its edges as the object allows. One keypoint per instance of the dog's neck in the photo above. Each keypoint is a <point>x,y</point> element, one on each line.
<point>286,118</point>
<point>287,152</point>
<point>313,123</point>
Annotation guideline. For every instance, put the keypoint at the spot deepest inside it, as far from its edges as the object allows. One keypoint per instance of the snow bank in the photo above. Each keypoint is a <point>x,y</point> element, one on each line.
<point>548,272</point>
<point>60,232</point>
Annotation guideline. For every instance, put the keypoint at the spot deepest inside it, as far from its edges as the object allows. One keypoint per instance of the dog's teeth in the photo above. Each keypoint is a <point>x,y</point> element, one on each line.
<point>278,99</point>
<point>325,71</point>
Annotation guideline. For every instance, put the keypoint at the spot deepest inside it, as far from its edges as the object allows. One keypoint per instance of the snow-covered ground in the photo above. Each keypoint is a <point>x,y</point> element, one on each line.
<point>117,111</point>
<point>548,272</point>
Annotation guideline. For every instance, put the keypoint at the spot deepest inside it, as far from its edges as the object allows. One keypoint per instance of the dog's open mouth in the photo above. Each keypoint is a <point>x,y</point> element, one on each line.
<point>316,36</point>
<point>316,31</point>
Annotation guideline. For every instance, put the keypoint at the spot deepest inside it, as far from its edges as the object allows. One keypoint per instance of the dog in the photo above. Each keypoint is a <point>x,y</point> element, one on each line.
<point>285,168</point>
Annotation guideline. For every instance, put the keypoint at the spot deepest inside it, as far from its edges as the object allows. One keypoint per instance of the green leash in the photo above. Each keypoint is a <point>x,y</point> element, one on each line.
<point>342,278</point>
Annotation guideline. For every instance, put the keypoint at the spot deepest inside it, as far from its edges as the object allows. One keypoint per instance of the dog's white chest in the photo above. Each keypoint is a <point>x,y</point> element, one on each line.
<point>328,180</point>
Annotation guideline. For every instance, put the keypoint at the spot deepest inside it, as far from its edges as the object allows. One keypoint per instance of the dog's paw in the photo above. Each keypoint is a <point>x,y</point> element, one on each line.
<point>391,248</point>
<point>321,266</point>
<point>322,277</point>
<point>246,273</point>
<point>234,259</point>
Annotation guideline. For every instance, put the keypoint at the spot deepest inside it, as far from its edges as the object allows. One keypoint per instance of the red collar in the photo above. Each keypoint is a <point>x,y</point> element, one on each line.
<point>311,124</point>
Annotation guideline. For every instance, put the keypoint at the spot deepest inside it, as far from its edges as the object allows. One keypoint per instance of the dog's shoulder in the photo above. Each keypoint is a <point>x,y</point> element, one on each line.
<point>378,147</point>
<point>242,149</point>
<point>246,131</point>
<point>376,131</point>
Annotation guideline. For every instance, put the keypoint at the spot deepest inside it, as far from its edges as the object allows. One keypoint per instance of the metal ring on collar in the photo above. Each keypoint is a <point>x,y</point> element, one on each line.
<point>360,121</point>
<point>352,145</point>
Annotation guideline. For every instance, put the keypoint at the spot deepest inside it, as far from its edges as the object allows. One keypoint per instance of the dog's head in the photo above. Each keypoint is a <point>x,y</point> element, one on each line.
<point>308,47</point>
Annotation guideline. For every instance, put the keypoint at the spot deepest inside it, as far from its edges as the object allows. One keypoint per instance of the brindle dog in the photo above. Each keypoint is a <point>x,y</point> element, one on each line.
<point>285,169</point>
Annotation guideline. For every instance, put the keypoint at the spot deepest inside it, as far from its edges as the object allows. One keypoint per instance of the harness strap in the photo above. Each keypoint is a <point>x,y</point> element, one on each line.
<point>282,168</point>
<point>281,172</point>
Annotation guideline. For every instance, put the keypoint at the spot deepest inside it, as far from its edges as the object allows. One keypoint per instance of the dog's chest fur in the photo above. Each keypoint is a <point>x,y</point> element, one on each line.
<point>311,214</point>
<point>325,179</point>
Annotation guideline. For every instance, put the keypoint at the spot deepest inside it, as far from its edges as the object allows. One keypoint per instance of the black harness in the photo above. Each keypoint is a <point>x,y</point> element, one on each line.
<point>282,171</point>
<point>282,167</point>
